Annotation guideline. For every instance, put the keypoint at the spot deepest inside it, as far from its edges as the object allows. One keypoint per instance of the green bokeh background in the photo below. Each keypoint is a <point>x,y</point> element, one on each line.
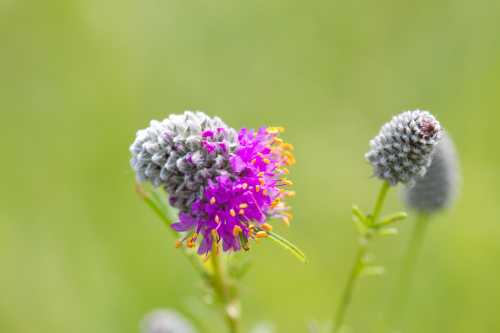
<point>79,252</point>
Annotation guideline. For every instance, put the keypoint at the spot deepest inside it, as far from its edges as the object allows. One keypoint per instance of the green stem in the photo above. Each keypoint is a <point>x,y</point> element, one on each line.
<point>349,288</point>
<point>380,201</point>
<point>401,294</point>
<point>228,299</point>
<point>358,265</point>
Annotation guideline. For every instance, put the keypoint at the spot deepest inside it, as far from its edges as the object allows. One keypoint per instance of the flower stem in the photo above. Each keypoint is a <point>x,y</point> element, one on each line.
<point>401,292</point>
<point>349,288</point>
<point>228,298</point>
<point>358,266</point>
<point>380,201</point>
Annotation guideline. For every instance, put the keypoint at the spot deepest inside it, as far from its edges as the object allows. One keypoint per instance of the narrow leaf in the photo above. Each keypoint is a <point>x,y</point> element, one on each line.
<point>362,229</point>
<point>393,218</point>
<point>287,245</point>
<point>161,200</point>
<point>154,205</point>
<point>359,214</point>
<point>388,232</point>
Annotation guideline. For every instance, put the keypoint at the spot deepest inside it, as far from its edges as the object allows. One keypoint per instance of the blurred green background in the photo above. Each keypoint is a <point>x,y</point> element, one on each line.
<point>79,252</point>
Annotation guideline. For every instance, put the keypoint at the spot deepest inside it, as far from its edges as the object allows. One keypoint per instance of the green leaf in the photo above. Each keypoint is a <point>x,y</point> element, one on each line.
<point>161,199</point>
<point>359,215</point>
<point>387,232</point>
<point>287,245</point>
<point>391,219</point>
<point>362,228</point>
<point>152,202</point>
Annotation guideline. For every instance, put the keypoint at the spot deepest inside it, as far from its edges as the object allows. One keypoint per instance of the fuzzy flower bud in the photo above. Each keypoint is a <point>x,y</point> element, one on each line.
<point>165,321</point>
<point>401,152</point>
<point>181,153</point>
<point>438,188</point>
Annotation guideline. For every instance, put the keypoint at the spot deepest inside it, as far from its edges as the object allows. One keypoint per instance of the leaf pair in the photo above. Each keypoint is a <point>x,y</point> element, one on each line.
<point>367,227</point>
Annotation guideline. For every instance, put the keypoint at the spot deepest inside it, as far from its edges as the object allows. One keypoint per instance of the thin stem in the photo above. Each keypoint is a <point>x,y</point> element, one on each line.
<point>229,300</point>
<point>380,201</point>
<point>400,298</point>
<point>349,288</point>
<point>358,265</point>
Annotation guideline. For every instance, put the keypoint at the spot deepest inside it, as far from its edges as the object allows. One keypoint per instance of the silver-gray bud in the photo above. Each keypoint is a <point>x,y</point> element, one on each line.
<point>182,153</point>
<point>438,189</point>
<point>402,150</point>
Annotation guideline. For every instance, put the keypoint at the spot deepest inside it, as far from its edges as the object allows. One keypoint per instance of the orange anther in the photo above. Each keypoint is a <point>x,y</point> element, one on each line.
<point>261,234</point>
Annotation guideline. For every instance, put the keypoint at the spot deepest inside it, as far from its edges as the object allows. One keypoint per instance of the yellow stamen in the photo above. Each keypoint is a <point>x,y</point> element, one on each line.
<point>178,244</point>
<point>275,130</point>
<point>286,181</point>
<point>290,193</point>
<point>232,212</point>
<point>267,227</point>
<point>265,192</point>
<point>261,234</point>
<point>236,230</point>
<point>286,220</point>
<point>251,230</point>
<point>266,161</point>
<point>275,202</point>
<point>257,188</point>
<point>260,174</point>
<point>242,212</point>
<point>244,205</point>
<point>262,181</point>
<point>212,201</point>
<point>254,161</point>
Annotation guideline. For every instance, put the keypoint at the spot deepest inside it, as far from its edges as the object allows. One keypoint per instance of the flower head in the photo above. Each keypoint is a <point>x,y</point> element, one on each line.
<point>401,152</point>
<point>230,197</point>
<point>438,188</point>
<point>181,153</point>
<point>165,321</point>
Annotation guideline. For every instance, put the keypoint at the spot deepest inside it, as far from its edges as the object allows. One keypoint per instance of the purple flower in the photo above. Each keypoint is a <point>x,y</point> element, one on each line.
<point>226,184</point>
<point>234,207</point>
